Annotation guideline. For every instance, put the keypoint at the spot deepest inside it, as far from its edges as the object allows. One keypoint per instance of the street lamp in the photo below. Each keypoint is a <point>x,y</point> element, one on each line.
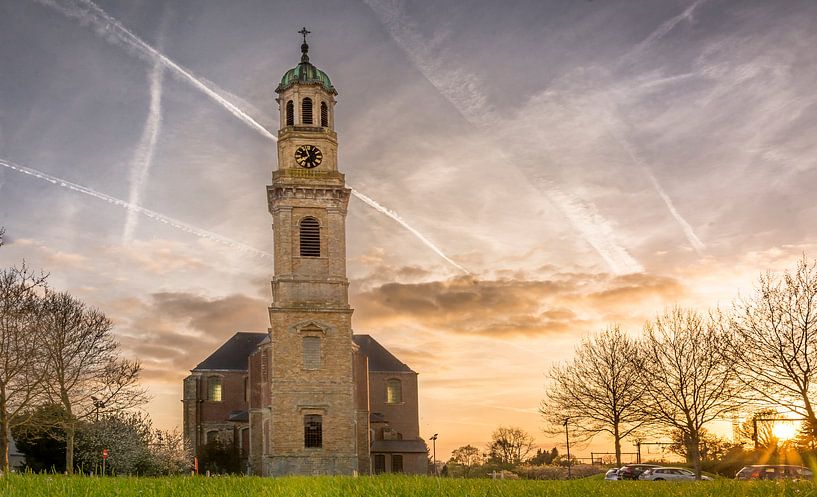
<point>98,404</point>
<point>567,440</point>
<point>434,457</point>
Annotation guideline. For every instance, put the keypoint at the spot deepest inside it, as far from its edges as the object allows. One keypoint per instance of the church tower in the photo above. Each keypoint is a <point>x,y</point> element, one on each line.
<point>310,422</point>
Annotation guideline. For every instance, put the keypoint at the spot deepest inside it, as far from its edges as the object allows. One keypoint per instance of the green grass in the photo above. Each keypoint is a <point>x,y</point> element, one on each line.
<point>385,486</point>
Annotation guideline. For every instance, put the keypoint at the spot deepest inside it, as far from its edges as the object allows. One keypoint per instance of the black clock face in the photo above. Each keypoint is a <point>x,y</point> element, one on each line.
<point>308,156</point>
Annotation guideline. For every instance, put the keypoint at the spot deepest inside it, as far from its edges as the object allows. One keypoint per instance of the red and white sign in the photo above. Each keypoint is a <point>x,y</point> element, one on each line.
<point>104,453</point>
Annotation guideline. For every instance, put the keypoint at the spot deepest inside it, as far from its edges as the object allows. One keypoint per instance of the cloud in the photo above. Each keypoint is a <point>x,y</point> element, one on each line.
<point>171,332</point>
<point>568,303</point>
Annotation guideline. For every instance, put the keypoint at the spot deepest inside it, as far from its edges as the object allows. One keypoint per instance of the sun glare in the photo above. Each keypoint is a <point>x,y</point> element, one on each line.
<point>785,430</point>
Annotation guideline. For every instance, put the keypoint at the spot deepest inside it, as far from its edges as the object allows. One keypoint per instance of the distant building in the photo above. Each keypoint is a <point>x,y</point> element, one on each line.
<point>16,459</point>
<point>308,397</point>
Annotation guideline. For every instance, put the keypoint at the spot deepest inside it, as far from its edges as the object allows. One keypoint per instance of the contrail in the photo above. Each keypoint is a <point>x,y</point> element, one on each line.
<point>696,242</point>
<point>663,29</point>
<point>175,223</point>
<point>461,89</point>
<point>416,233</point>
<point>143,159</point>
<point>114,32</point>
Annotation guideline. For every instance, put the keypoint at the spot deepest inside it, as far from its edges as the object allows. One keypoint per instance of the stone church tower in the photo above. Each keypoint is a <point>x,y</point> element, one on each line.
<point>305,403</point>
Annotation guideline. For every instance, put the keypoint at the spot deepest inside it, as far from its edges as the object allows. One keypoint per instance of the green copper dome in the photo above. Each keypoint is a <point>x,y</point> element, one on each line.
<point>305,73</point>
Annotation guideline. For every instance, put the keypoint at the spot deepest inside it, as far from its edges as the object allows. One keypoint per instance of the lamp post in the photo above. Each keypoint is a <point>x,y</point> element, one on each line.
<point>567,441</point>
<point>98,404</point>
<point>434,456</point>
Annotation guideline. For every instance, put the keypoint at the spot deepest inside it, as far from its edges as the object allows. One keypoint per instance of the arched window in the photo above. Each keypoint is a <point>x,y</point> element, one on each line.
<point>310,237</point>
<point>290,113</point>
<point>306,111</point>
<point>212,436</point>
<point>394,392</point>
<point>324,115</point>
<point>214,388</point>
<point>313,431</point>
<point>396,463</point>
<point>312,352</point>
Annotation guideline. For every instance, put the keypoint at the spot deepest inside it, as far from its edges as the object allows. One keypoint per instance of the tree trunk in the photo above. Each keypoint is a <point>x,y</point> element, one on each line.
<point>694,453</point>
<point>4,435</point>
<point>70,429</point>
<point>617,439</point>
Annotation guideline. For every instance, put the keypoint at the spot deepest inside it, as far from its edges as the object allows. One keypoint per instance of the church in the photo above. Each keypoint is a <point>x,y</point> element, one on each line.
<point>308,397</point>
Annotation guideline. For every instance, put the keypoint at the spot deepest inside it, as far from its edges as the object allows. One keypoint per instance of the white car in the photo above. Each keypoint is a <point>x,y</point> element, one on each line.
<point>664,473</point>
<point>612,474</point>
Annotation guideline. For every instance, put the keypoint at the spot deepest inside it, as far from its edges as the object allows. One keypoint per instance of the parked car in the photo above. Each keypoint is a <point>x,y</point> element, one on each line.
<point>667,473</point>
<point>611,474</point>
<point>632,471</point>
<point>774,472</point>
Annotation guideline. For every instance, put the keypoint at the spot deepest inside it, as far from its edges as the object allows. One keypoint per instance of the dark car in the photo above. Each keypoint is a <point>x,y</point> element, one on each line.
<point>774,472</point>
<point>633,471</point>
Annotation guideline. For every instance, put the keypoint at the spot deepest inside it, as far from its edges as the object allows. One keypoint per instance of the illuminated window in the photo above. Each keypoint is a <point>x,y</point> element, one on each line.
<point>324,114</point>
<point>394,392</point>
<point>312,352</point>
<point>313,431</point>
<point>310,237</point>
<point>290,113</point>
<point>214,388</point>
<point>306,111</point>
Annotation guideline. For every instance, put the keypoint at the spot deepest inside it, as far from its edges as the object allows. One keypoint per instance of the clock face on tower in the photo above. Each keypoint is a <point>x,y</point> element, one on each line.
<point>308,156</point>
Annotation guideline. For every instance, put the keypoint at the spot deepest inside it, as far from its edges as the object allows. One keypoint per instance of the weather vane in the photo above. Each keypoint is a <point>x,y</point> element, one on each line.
<point>304,32</point>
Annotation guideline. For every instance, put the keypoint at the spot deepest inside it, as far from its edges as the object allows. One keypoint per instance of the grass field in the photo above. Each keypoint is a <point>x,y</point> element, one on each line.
<point>385,486</point>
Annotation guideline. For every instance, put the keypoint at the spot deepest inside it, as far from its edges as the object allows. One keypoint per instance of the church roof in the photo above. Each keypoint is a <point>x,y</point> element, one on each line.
<point>233,354</point>
<point>380,359</point>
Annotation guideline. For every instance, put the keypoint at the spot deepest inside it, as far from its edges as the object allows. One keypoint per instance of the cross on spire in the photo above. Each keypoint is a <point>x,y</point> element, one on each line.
<point>304,32</point>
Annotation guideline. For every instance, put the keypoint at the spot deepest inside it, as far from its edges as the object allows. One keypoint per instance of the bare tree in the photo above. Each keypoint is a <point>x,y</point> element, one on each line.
<point>599,390</point>
<point>86,376</point>
<point>510,445</point>
<point>775,346</point>
<point>21,360</point>
<point>690,379</point>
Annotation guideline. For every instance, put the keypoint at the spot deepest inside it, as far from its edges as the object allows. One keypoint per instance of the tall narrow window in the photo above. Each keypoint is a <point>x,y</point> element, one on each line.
<point>396,463</point>
<point>214,388</point>
<point>310,237</point>
<point>312,352</point>
<point>313,431</point>
<point>324,115</point>
<point>394,392</point>
<point>379,464</point>
<point>246,389</point>
<point>290,113</point>
<point>306,111</point>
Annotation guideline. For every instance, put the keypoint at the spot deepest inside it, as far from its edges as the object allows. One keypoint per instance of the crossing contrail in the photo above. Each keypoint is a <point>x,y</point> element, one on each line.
<point>400,220</point>
<point>109,28</point>
<point>145,151</point>
<point>175,223</point>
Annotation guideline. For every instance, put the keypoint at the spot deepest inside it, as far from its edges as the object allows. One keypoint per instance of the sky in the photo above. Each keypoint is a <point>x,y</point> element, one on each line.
<point>556,166</point>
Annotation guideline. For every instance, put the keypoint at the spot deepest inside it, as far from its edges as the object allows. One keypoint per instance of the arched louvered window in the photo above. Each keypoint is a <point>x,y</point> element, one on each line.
<point>290,113</point>
<point>306,111</point>
<point>310,237</point>
<point>324,114</point>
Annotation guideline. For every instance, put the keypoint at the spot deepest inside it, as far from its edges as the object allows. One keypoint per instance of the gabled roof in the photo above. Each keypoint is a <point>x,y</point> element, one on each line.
<point>232,356</point>
<point>380,359</point>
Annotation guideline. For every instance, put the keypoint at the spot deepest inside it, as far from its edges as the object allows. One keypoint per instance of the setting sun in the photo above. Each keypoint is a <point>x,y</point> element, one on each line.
<point>785,430</point>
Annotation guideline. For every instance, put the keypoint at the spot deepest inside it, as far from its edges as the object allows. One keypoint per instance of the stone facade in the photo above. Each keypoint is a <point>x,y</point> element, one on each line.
<point>313,396</point>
